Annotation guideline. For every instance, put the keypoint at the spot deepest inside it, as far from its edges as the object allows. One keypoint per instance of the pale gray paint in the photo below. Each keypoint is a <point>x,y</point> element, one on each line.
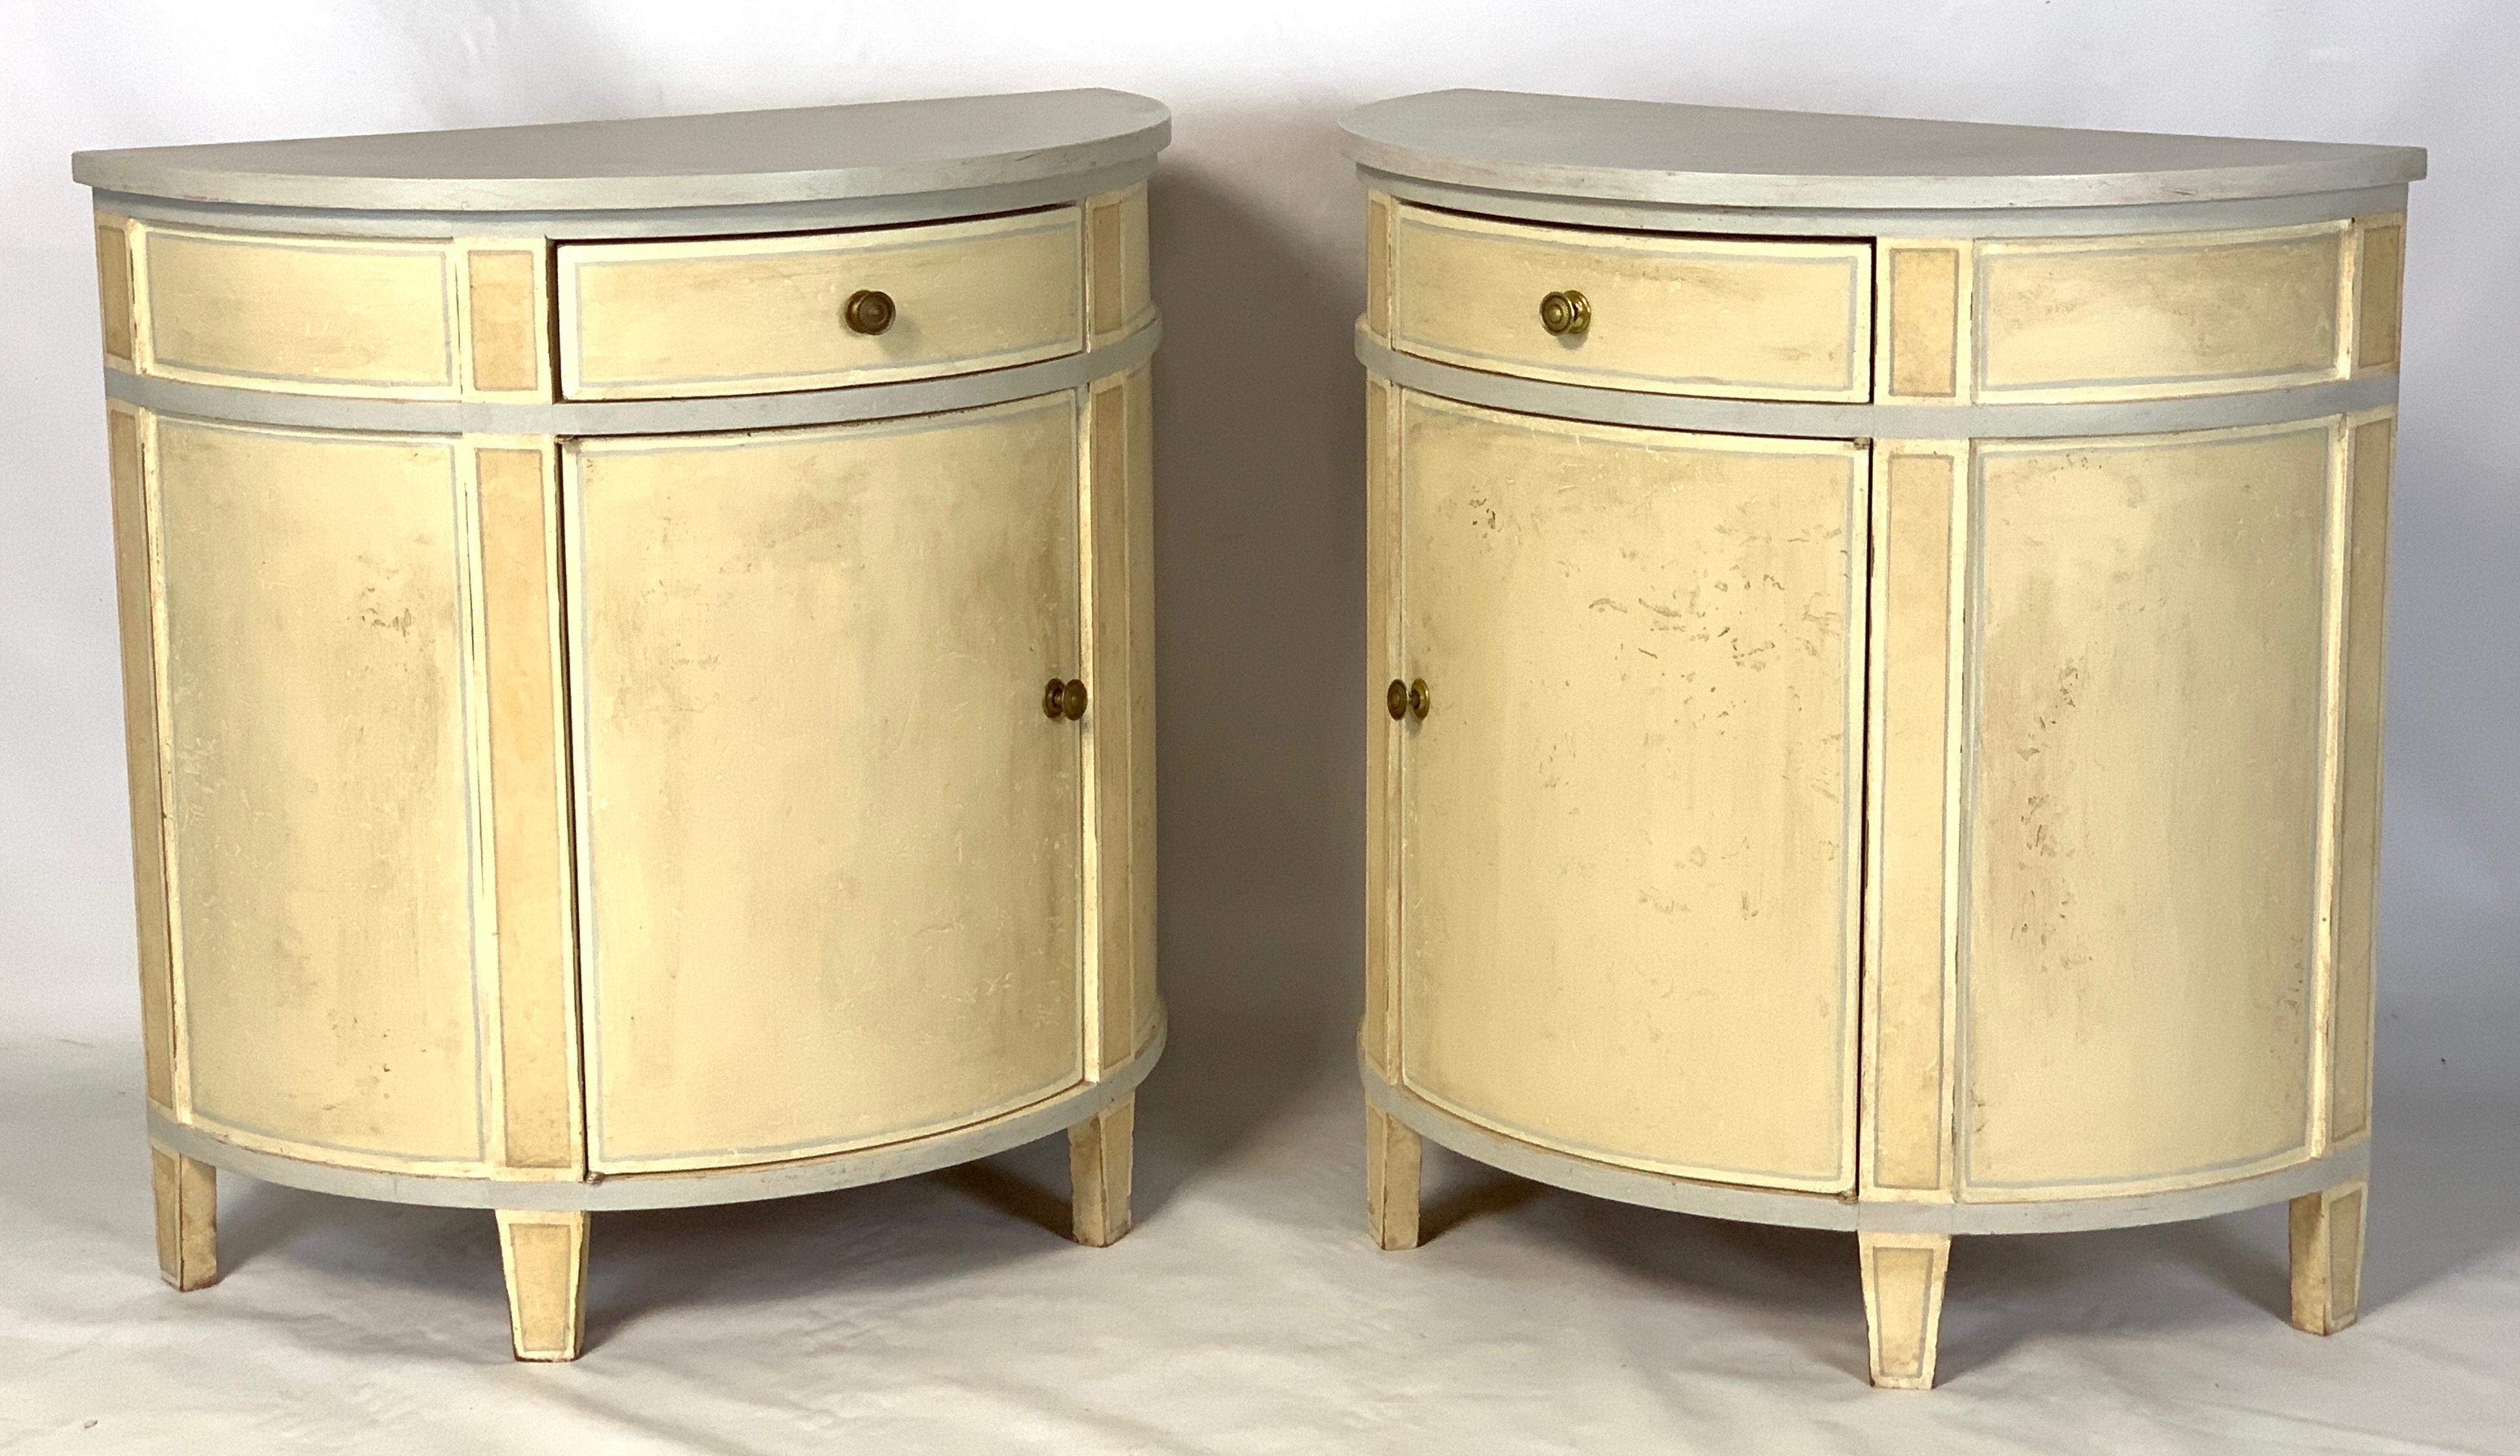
<point>1846,1211</point>
<point>674,1190</point>
<point>1826,422</point>
<point>652,222</point>
<point>730,158</point>
<point>632,417</point>
<point>1731,156</point>
<point>1911,222</point>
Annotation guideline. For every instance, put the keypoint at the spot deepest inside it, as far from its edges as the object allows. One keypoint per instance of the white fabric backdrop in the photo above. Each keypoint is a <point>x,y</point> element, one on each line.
<point>1248,1314</point>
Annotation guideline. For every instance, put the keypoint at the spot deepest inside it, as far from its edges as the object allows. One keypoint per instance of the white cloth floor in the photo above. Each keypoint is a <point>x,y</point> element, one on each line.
<point>1246,1313</point>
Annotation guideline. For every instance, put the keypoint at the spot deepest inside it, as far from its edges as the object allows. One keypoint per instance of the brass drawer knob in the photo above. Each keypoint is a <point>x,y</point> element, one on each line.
<point>1405,700</point>
<point>1567,312</point>
<point>868,311</point>
<point>1063,699</point>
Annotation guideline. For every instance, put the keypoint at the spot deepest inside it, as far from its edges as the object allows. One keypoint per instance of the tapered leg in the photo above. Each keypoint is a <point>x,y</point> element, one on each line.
<point>1099,1154</point>
<point>1392,1155</point>
<point>545,1255</point>
<point>188,1218</point>
<point>2327,1257</point>
<point>1902,1305</point>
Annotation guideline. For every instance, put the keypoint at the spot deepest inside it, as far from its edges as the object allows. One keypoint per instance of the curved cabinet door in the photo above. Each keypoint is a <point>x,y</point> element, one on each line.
<point>829,838</point>
<point>316,757</point>
<point>2153,661</point>
<point>1628,821</point>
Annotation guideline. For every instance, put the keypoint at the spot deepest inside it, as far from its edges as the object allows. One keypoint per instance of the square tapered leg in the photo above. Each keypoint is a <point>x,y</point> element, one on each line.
<point>1099,1150</point>
<point>1393,1154</point>
<point>2327,1257</point>
<point>1902,1305</point>
<point>544,1254</point>
<point>187,1193</point>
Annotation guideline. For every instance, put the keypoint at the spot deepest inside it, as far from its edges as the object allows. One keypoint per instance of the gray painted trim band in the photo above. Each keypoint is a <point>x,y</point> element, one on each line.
<point>1824,422</point>
<point>595,419</point>
<point>1894,222</point>
<point>1846,1213</point>
<point>652,222</point>
<point>1603,1180</point>
<point>675,1190</point>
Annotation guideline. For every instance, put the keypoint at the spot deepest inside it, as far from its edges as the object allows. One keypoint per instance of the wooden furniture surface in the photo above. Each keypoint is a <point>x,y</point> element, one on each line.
<point>638,654</point>
<point>1873,660</point>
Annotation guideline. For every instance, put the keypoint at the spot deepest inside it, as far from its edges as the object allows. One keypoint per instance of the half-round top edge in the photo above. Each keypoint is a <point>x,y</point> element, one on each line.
<point>735,158</point>
<point>1398,138</point>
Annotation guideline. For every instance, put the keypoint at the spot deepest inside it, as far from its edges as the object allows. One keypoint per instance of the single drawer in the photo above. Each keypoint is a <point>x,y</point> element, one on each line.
<point>762,315</point>
<point>1669,313</point>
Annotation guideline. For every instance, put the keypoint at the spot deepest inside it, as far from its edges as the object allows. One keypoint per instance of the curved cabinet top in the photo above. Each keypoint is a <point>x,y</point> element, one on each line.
<point>735,158</point>
<point>1729,156</point>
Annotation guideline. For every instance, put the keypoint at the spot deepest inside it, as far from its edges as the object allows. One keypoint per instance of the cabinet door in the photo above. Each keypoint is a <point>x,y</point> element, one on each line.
<point>2151,801</point>
<point>829,838</point>
<point>316,755</point>
<point>1628,821</point>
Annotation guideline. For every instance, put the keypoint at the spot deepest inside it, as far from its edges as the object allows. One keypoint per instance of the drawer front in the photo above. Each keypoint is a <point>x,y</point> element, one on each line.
<point>1731,318</point>
<point>763,315</point>
<point>2144,318</point>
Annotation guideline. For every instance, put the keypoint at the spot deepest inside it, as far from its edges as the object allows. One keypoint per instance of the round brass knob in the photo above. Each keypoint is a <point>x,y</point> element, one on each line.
<point>868,311</point>
<point>1418,702</point>
<point>1567,312</point>
<point>1063,699</point>
<point>1403,699</point>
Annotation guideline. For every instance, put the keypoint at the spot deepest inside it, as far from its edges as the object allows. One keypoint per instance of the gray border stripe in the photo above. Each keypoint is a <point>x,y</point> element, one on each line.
<point>1825,1211</point>
<point>639,222</point>
<point>675,1190</point>
<point>1827,421</point>
<point>590,418</point>
<point>1889,222</point>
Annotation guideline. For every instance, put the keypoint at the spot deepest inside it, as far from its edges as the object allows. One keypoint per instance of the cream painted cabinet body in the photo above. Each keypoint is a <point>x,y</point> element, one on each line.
<point>1874,651</point>
<point>639,683</point>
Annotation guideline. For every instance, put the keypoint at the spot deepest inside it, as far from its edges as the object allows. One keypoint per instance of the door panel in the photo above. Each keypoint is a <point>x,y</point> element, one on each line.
<point>320,867</point>
<point>829,839</point>
<point>1628,821</point>
<point>2145,813</point>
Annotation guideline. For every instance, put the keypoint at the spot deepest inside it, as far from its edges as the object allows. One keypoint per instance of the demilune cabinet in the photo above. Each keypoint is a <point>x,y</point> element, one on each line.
<point>1874,672</point>
<point>638,648</point>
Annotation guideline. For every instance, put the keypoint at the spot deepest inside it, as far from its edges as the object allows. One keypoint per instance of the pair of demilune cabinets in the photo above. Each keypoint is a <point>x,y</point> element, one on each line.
<point>639,640</point>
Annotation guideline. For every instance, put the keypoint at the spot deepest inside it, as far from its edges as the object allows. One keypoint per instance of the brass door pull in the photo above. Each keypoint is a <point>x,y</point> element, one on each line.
<point>1566,312</point>
<point>1063,699</point>
<point>868,311</point>
<point>1405,700</point>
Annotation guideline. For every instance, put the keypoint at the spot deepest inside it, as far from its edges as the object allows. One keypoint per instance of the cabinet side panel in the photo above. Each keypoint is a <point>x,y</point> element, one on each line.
<point>1139,384</point>
<point>1630,814</point>
<point>832,845</point>
<point>2379,283</point>
<point>114,287</point>
<point>2358,828</point>
<point>1912,633</point>
<point>537,971</point>
<point>126,442</point>
<point>1118,291</point>
<point>1383,662</point>
<point>1109,733</point>
<point>2143,835</point>
<point>320,790</point>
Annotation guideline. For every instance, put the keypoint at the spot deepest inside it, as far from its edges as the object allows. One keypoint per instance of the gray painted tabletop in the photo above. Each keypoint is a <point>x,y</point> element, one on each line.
<point>1732,156</point>
<point>811,153</point>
